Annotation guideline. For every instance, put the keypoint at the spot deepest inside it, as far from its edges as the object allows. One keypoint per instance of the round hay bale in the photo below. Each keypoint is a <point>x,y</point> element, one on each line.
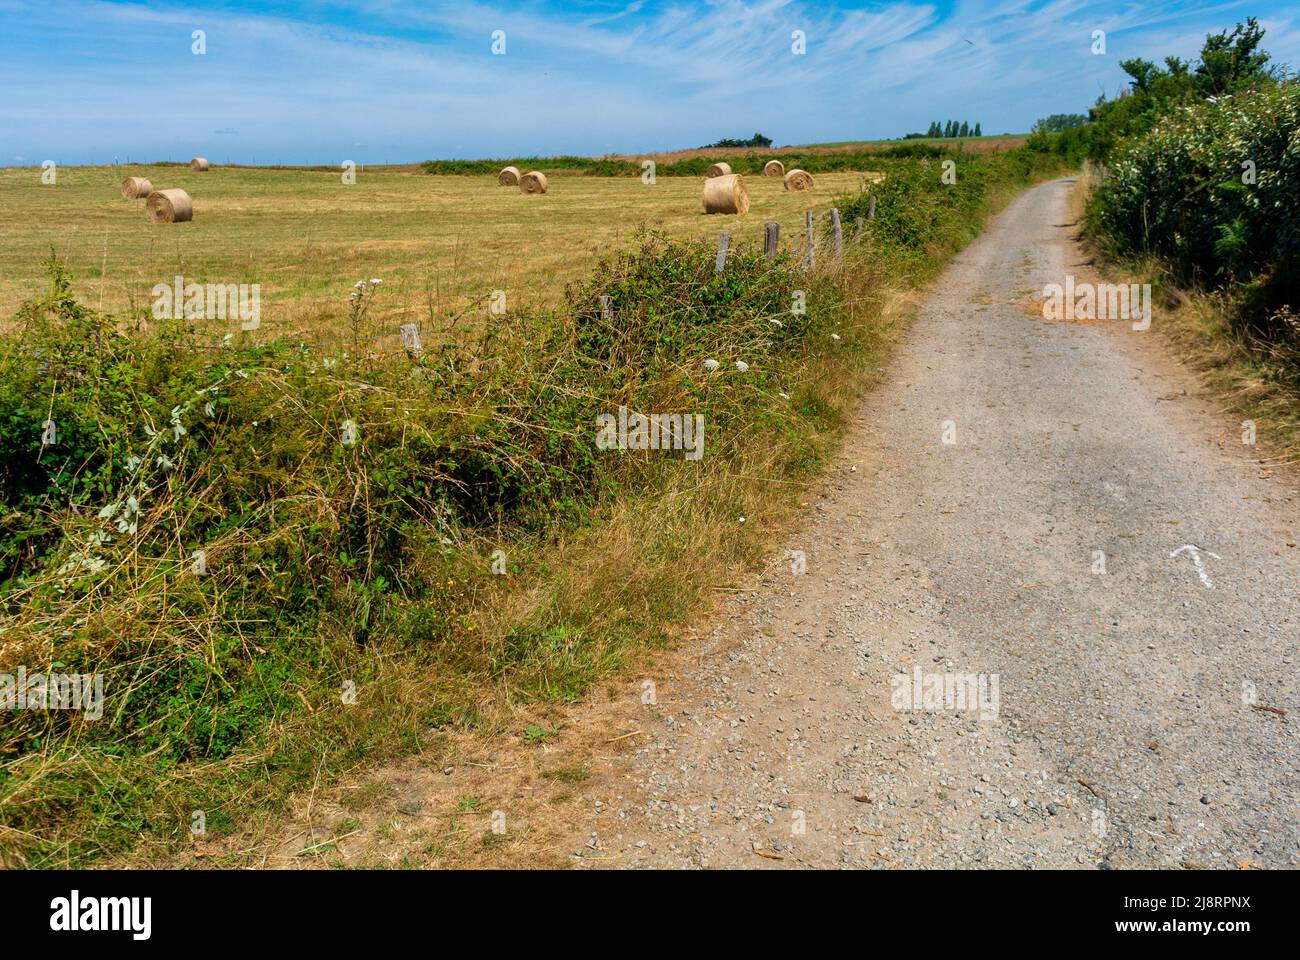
<point>726,194</point>
<point>169,206</point>
<point>720,170</point>
<point>774,168</point>
<point>133,188</point>
<point>798,180</point>
<point>533,182</point>
<point>509,177</point>
<point>200,164</point>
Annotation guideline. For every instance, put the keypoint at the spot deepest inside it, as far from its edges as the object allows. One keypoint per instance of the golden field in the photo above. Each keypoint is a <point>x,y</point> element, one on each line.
<point>439,243</point>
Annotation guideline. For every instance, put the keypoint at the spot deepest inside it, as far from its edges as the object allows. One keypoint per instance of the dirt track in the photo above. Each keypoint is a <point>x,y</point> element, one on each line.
<point>1135,721</point>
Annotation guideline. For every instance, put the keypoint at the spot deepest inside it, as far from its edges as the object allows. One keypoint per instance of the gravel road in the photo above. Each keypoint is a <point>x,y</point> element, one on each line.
<point>1138,709</point>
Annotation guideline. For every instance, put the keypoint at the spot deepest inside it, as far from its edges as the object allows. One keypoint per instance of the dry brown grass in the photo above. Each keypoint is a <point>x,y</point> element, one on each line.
<point>439,243</point>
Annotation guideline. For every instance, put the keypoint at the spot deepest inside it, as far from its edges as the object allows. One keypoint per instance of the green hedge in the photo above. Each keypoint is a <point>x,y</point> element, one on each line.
<point>1183,193</point>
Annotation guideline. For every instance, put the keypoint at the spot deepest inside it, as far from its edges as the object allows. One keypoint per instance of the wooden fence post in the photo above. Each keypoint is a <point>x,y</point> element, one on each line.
<point>771,239</point>
<point>857,228</point>
<point>411,340</point>
<point>808,251</point>
<point>606,309</point>
<point>837,231</point>
<point>724,241</point>
<point>871,207</point>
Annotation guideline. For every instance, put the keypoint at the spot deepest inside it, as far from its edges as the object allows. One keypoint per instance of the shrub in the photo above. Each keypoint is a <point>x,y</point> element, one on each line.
<point>1183,193</point>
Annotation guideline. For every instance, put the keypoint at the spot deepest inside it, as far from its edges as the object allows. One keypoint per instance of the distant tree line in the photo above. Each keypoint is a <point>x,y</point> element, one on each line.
<point>952,128</point>
<point>757,140</point>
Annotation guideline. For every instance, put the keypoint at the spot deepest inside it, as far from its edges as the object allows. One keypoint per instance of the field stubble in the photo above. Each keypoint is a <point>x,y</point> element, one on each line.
<point>438,243</point>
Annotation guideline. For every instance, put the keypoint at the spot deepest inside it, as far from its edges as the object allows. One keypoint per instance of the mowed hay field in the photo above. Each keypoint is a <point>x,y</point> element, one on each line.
<point>439,243</point>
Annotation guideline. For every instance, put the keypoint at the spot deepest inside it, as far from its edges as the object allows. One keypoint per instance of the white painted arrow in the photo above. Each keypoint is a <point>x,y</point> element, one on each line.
<point>1195,553</point>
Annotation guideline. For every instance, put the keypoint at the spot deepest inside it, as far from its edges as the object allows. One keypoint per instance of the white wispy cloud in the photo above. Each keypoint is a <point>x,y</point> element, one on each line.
<point>309,80</point>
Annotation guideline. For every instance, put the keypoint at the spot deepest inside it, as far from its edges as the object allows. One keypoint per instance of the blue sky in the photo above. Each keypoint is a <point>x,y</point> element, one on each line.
<point>315,81</point>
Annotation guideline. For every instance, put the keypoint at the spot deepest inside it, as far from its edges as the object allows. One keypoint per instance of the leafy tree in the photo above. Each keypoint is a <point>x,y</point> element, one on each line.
<point>977,130</point>
<point>757,140</point>
<point>965,129</point>
<point>1060,121</point>
<point>1229,63</point>
<point>1232,61</point>
<point>1179,192</point>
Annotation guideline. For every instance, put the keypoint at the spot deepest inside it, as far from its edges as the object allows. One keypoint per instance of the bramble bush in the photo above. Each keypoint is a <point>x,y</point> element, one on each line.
<point>317,549</point>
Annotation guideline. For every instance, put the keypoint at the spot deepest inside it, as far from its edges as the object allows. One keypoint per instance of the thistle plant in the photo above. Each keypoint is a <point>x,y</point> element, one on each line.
<point>363,291</point>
